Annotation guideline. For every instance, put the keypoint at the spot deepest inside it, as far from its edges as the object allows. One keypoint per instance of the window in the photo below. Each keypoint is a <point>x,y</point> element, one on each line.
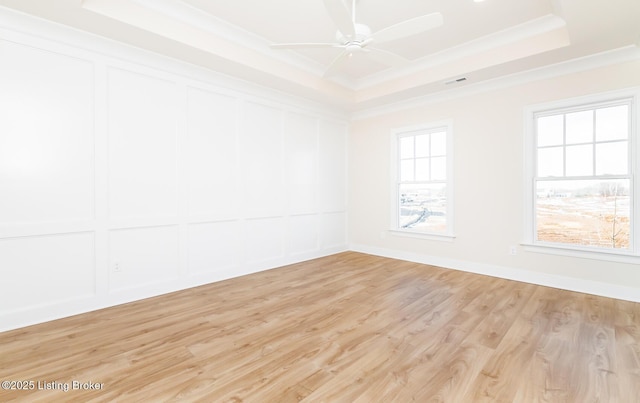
<point>422,196</point>
<point>581,167</point>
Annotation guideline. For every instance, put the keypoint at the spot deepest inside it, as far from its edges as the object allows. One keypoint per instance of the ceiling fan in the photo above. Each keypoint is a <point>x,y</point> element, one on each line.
<point>353,37</point>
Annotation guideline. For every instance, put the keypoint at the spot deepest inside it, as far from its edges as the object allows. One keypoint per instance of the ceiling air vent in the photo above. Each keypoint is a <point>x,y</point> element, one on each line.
<point>457,80</point>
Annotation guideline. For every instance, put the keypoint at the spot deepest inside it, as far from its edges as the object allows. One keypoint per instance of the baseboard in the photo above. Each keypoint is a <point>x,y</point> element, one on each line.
<point>509,273</point>
<point>34,315</point>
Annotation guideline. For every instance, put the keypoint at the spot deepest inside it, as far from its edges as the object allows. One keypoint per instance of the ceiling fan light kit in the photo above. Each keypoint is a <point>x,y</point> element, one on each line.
<point>353,37</point>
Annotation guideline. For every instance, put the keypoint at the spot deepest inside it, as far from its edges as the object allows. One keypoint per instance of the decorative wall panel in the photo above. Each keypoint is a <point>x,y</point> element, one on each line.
<point>46,136</point>
<point>260,155</point>
<point>214,247</point>
<point>301,163</point>
<point>45,270</point>
<point>333,165</point>
<point>263,239</point>
<point>210,155</point>
<point>142,124</point>
<point>142,256</point>
<point>303,234</point>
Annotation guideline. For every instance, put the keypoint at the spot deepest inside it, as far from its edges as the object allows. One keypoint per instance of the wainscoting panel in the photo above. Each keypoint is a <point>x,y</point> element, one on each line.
<point>264,239</point>
<point>333,230</point>
<point>142,125</point>
<point>142,256</point>
<point>333,165</point>
<point>260,155</point>
<point>46,136</point>
<point>210,155</point>
<point>301,163</point>
<point>303,234</point>
<point>214,247</point>
<point>45,270</point>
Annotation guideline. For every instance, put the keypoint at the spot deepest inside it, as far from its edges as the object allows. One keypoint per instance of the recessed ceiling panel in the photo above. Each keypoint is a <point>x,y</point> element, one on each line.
<point>493,37</point>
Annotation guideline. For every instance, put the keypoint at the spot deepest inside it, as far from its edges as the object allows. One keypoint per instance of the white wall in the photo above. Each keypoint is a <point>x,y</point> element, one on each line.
<point>124,175</point>
<point>488,183</point>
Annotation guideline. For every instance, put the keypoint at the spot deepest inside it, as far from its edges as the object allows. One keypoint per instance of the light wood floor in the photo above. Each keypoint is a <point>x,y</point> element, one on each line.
<point>345,328</point>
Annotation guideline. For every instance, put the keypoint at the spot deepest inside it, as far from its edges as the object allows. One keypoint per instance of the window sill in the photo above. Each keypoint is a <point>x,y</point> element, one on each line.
<point>421,235</point>
<point>560,250</point>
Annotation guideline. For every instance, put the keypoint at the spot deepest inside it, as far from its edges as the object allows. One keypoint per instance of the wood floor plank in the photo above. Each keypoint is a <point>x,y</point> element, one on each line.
<point>495,325</point>
<point>349,327</point>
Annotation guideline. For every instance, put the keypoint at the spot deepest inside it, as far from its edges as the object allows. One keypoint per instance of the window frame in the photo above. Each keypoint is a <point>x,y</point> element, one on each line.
<point>396,135</point>
<point>530,242</point>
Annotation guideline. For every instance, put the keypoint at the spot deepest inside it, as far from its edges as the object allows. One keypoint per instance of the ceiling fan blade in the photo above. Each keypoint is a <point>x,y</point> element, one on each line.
<point>339,13</point>
<point>304,45</point>
<point>409,27</point>
<point>336,64</point>
<point>385,57</point>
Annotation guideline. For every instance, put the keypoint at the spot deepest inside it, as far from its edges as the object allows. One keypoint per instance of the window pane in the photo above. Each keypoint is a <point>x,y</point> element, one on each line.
<point>439,143</point>
<point>422,145</point>
<point>438,168</point>
<point>406,147</point>
<point>580,127</point>
<point>550,162</point>
<point>422,169</point>
<point>611,158</point>
<point>423,207</point>
<point>579,160</point>
<point>612,123</point>
<point>587,213</point>
<point>406,171</point>
<point>550,130</point>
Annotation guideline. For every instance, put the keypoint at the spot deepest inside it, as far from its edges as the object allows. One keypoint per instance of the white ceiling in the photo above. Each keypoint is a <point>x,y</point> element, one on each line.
<point>307,21</point>
<point>479,40</point>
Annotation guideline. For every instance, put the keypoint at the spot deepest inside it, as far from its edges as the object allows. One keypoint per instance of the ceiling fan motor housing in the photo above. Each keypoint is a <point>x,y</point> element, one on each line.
<point>353,37</point>
<point>353,44</point>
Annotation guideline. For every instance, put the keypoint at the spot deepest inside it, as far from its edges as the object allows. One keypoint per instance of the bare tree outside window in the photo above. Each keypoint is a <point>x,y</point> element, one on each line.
<point>583,176</point>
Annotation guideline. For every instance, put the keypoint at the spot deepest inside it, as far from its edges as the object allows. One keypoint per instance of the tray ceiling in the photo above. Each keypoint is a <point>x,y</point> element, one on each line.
<point>479,41</point>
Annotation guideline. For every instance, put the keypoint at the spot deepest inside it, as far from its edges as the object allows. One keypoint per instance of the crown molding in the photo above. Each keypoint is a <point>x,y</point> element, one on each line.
<point>211,24</point>
<point>603,59</point>
<point>511,35</point>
